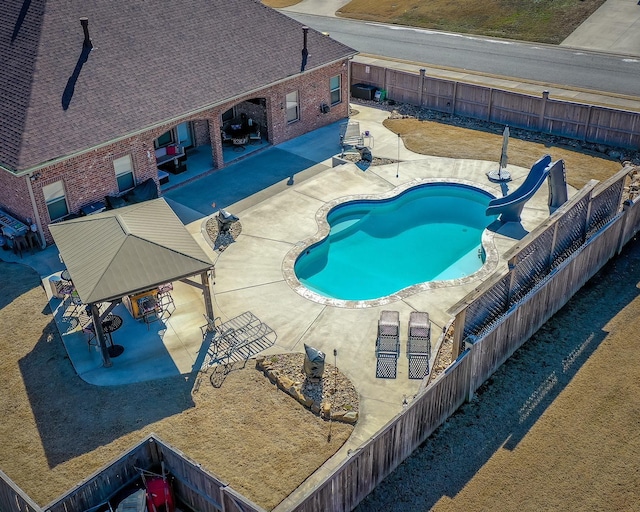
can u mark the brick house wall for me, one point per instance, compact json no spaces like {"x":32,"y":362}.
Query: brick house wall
{"x":15,"y":196}
{"x":90,"y":177}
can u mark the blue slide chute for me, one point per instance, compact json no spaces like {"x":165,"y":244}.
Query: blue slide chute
{"x":510,"y":206}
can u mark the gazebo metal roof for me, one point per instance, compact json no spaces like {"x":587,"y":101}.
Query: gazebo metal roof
{"x":127,"y":250}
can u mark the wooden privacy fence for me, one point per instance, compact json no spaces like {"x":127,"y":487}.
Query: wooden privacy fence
{"x":545,"y":270}
{"x":584,"y":122}
{"x":376,"y":458}
{"x":538,"y":256}
{"x":13,"y":499}
{"x":192,"y":485}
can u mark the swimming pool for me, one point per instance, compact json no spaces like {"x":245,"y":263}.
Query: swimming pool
{"x":377,"y":247}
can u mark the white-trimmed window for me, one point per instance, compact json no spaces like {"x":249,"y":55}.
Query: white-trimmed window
{"x":293,"y":109}
{"x":124,"y":173}
{"x":55,"y":199}
{"x":336,"y":90}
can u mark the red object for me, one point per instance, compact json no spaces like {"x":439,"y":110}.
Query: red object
{"x":159,"y":495}
{"x":172,"y":150}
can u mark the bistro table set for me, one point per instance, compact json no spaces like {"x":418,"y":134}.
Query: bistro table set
{"x":149,"y":306}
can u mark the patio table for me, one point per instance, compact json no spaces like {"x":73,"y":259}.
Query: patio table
{"x":110,"y":324}
{"x":239,"y":142}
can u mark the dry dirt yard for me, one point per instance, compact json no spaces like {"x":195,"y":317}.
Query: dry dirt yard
{"x":56,"y":429}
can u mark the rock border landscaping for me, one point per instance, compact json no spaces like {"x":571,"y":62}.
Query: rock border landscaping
{"x":333,"y":397}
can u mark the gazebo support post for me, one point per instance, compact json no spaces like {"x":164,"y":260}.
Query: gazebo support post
{"x":206,"y":291}
{"x":102,"y":341}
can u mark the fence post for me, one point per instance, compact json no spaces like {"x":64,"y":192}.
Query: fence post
{"x":512,"y":264}
{"x":554,"y":240}
{"x":587,"y":220}
{"x":623,"y":225}
{"x":422,"y":71}
{"x":384,"y":81}
{"x":543,"y":107}
{"x":458,"y":333}
{"x":452,"y":109}
{"x":586,"y":125}
{"x":469,"y":375}
{"x":490,"y":104}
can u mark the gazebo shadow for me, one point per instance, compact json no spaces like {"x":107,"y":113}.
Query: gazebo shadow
{"x":74,"y":418}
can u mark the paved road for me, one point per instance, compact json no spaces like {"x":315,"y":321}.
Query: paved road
{"x":560,"y":65}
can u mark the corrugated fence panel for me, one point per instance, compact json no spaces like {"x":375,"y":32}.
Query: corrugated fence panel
{"x":531,"y":264}
{"x":485,"y":309}
{"x":515,"y":109}
{"x":571,"y":231}
{"x":472,"y":101}
{"x":12,"y":498}
{"x":525,"y":318}
{"x":566,"y":119}
{"x":606,"y":202}
{"x":403,"y":87}
{"x":614,"y":127}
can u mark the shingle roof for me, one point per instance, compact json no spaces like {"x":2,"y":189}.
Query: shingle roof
{"x":123,"y":251}
{"x":151,"y":61}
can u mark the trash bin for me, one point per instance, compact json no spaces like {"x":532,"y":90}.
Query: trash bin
{"x":363,"y":91}
{"x":380,"y":95}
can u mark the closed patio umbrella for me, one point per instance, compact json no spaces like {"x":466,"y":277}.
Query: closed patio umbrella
{"x":502,"y":174}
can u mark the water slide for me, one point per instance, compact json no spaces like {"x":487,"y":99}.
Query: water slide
{"x":510,"y":206}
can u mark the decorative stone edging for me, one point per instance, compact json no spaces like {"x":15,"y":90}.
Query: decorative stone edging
{"x":488,"y":244}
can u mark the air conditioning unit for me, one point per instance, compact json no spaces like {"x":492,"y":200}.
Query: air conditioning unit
{"x":324,"y":108}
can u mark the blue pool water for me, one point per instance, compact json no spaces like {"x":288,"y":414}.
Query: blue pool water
{"x":431,"y":232}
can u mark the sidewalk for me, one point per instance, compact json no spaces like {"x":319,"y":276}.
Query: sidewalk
{"x":613,"y":28}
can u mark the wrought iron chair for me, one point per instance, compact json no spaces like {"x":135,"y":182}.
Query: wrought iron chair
{"x":165,"y":298}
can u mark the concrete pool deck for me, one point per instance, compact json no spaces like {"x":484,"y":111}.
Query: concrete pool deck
{"x":249,"y":273}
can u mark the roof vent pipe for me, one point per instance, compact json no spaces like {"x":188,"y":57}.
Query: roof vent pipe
{"x":85,"y":28}
{"x":305,"y":52}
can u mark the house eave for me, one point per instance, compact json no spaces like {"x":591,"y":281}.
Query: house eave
{"x":173,"y":120}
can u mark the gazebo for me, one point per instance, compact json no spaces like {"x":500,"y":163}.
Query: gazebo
{"x":128,"y":250}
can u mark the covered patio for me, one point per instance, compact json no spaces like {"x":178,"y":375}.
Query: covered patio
{"x":118,"y":263}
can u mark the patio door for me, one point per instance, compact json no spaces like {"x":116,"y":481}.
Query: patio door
{"x":183,"y":134}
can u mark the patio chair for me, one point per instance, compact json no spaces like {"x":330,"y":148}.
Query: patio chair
{"x":419,"y":344}
{"x":90,"y":332}
{"x":388,"y":344}
{"x":150,"y":310}
{"x":76,"y":302}
{"x":254,"y":134}
{"x":226,"y":138}
{"x":165,"y":298}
